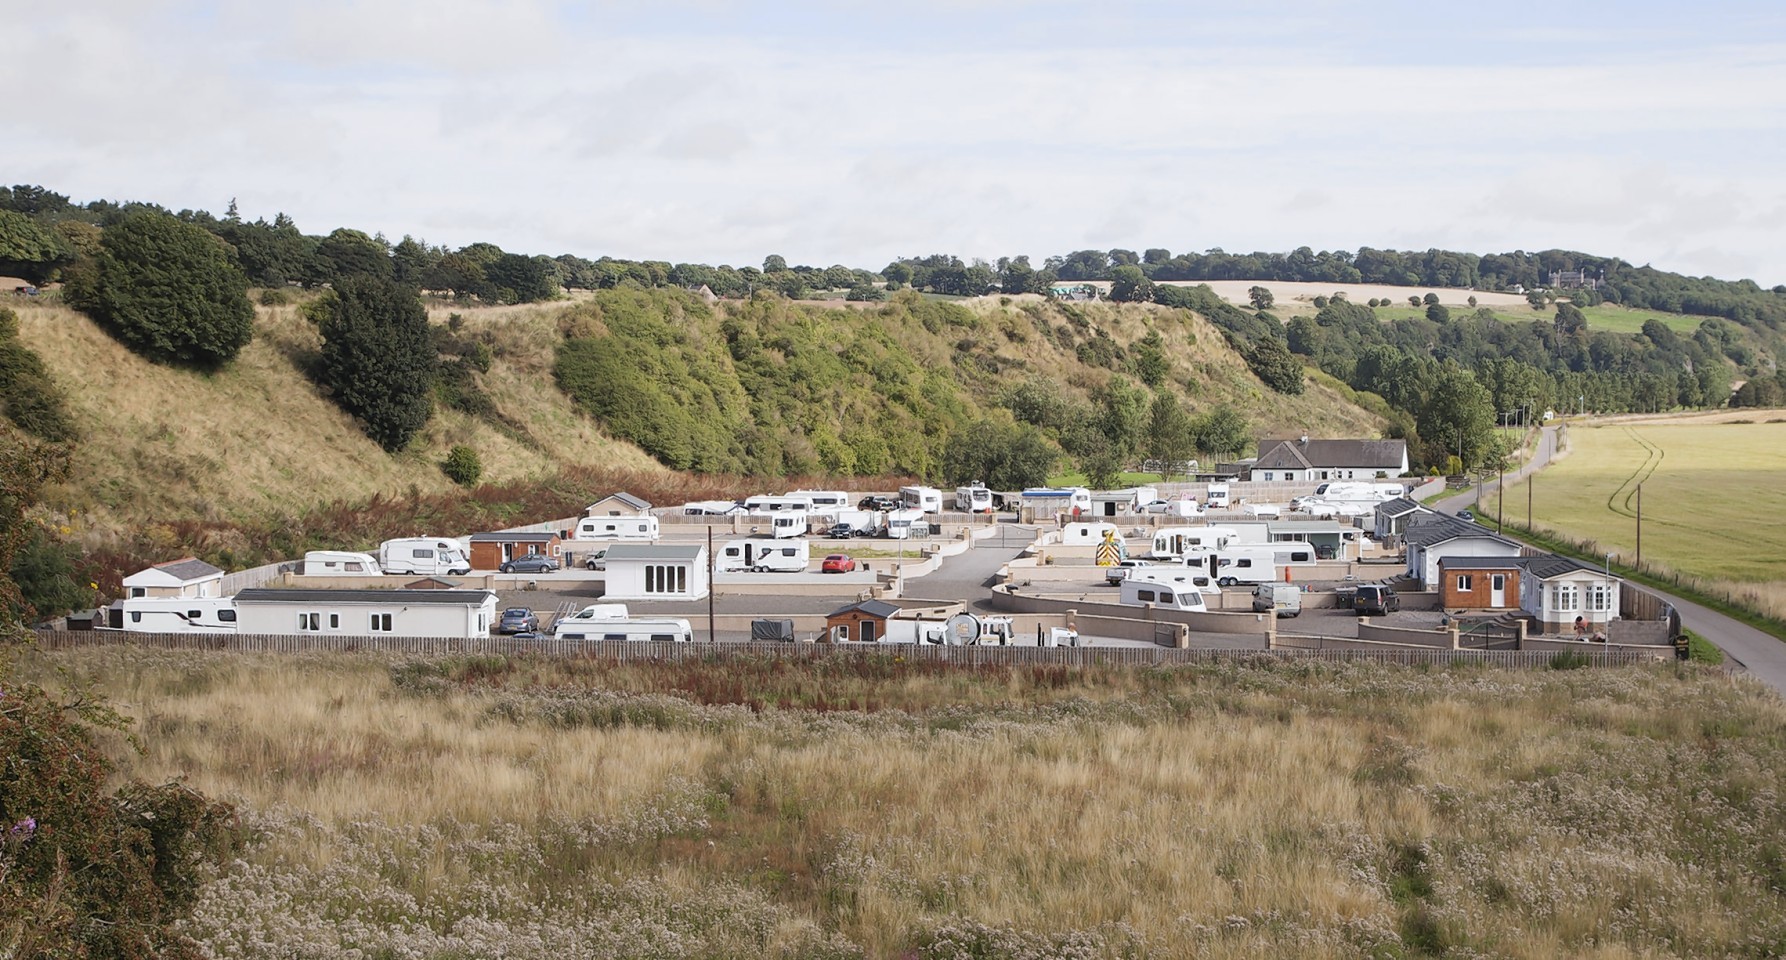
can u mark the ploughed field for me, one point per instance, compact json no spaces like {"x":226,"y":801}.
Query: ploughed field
{"x":1714,"y":501}
{"x":874,"y":806}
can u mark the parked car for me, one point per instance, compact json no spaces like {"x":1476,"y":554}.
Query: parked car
{"x":531,"y":563}
{"x":597,"y":560}
{"x":1117,"y":574}
{"x":877,"y":503}
{"x":838,"y":563}
{"x":518,"y":620}
{"x":1467,"y":516}
{"x":1373,"y":599}
{"x":1282,"y":598}
{"x":840,"y":531}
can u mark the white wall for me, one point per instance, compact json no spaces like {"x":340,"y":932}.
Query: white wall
{"x":1426,"y":568}
{"x":355,"y":619}
{"x":626,"y":580}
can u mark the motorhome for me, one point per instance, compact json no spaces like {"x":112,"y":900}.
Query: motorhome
{"x":1070,"y":500}
{"x":424,"y":557}
{"x":822,"y":503}
{"x":789,"y":523}
{"x":1168,"y":596}
{"x":622,"y":529}
{"x":1173,"y":543}
{"x":634,"y":629}
{"x":1218,"y":498}
{"x":340,"y":563}
{"x":923,"y":499}
{"x":764,"y":555}
{"x":904,"y":524}
{"x":179,"y":614}
{"x":973,"y":498}
{"x":768,"y":506}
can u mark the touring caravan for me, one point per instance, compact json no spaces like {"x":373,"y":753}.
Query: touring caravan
{"x":1172,"y":543}
{"x":922,"y":499}
{"x":423,"y":557}
{"x":712,"y":508}
{"x":1254,"y":563}
{"x":764,"y":555}
{"x":623,"y":529}
{"x":636,"y":629}
{"x":179,"y":614}
{"x":1195,"y":579}
{"x":903,"y":524}
{"x":768,"y":505}
{"x":823,"y":503}
{"x":973,"y":498}
{"x":1168,"y":596}
{"x":789,"y":523}
{"x":1089,"y":534}
{"x":1218,"y":498}
{"x":340,"y":563}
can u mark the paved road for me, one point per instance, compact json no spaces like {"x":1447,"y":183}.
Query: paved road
{"x":1761,"y":654}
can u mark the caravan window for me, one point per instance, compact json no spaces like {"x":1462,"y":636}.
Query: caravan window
{"x":334,"y":620}
{"x":355,"y":566}
{"x":381,"y":623}
{"x":614,"y":636}
{"x":1299,"y":556}
{"x":1145,"y":596}
{"x":663,"y":636}
{"x":1165,"y":596}
{"x":309,"y":621}
{"x":227,"y":616}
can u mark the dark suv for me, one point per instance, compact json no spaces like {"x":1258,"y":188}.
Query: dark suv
{"x":1374,"y":600}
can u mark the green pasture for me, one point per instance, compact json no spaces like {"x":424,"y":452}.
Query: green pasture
{"x":1605,"y":316}
{"x":1714,"y":496}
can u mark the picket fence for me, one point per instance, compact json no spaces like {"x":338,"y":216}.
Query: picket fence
{"x":702,"y":651}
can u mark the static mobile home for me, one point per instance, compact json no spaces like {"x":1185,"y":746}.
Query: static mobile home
{"x":176,"y":578}
{"x":358,"y":613}
{"x":641,"y":571}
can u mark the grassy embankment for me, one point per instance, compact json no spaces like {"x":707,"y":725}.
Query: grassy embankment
{"x":1604,"y":316}
{"x":878,"y":807}
{"x":1714,"y":505}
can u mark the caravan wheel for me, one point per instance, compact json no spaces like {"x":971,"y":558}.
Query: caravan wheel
{"x":1225,"y":582}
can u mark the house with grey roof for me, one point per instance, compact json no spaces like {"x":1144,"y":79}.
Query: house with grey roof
{"x":1393,"y":516}
{"x":864,"y":622}
{"x":620,"y":504}
{"x":186,"y":577}
{"x":1431,"y":537}
{"x":366,"y":613}
{"x":1556,"y":590}
{"x":1305,"y":460}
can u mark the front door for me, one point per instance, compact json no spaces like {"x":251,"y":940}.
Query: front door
{"x":866,"y":631}
{"x":1497,"y":590}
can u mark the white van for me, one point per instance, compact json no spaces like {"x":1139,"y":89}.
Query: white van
{"x":764,"y":555}
{"x":180,"y":614}
{"x":624,"y":529}
{"x":582,"y":618}
{"x":340,"y":563}
{"x":636,"y":629}
{"x":1284,"y":598}
{"x":1167,"y":596}
{"x":423,"y":557}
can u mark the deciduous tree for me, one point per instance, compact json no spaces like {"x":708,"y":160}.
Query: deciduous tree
{"x":169,"y":290}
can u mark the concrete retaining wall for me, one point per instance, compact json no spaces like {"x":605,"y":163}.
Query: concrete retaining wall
{"x":1406,"y":635}
{"x":1543,"y":644}
{"x":1252,"y":624}
{"x":1639,"y":632}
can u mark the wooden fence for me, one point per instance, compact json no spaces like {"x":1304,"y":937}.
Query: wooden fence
{"x":665,"y":651}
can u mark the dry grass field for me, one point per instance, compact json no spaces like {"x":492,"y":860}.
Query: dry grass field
{"x":885,"y":808}
{"x":259,"y":438}
{"x":1714,"y":498}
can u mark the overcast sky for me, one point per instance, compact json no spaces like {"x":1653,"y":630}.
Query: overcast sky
{"x":855,"y":132}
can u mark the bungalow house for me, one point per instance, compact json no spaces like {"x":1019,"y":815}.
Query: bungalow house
{"x":491,"y":550}
{"x":864,"y":622}
{"x":1480,"y":583}
{"x":618,"y":505}
{"x":1556,"y":590}
{"x":650,"y":571}
{"x":1437,"y":536}
{"x":186,"y":578}
{"x":1393,"y":516}
{"x":366,"y":613}
{"x":1305,"y":460}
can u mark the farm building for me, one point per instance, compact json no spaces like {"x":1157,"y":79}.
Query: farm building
{"x":492,"y":550}
{"x":1315,"y":460}
{"x":187,"y":577}
{"x":650,"y":571}
{"x":1436,"y":536}
{"x":1479,"y":583}
{"x":360,"y":613}
{"x":865,"y":622}
{"x":1556,"y":590}
{"x":618,"y":505}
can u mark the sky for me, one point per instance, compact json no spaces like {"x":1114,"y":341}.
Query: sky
{"x":855,"y":133}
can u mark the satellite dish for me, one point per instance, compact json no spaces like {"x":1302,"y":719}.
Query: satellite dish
{"x":961,"y":630}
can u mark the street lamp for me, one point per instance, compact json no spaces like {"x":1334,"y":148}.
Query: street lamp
{"x":1606,"y":588}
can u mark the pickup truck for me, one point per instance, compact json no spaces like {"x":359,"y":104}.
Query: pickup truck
{"x":1117,"y":574}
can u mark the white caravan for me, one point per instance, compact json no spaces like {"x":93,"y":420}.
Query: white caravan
{"x":1218,"y":498}
{"x":1167,"y":596}
{"x":340,"y":563}
{"x":423,"y":557}
{"x":822,"y":503}
{"x":764,"y":555}
{"x":1172,"y":543}
{"x":636,"y":629}
{"x":768,"y":506}
{"x":1058,"y":499}
{"x":1183,"y":578}
{"x":973,"y":498}
{"x":1362,"y":491}
{"x":621,"y":529}
{"x":959,"y":630}
{"x":902,"y":523}
{"x":1253,"y":563}
{"x":789,"y":524}
{"x":180,"y":614}
{"x":712,"y":508}
{"x":922,"y":499}
{"x":1088,"y":534}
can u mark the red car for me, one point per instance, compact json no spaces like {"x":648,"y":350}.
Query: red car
{"x":838,"y":563}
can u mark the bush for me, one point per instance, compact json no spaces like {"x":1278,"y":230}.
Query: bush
{"x":49,"y":586}
{"x":169,"y":290}
{"x":28,"y":397}
{"x":462,"y":466}
{"x":273,"y":298}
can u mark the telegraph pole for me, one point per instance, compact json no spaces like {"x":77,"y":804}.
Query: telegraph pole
{"x":712,"y":637}
{"x":1640,"y":526}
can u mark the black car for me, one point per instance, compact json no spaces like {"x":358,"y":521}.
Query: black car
{"x":840,"y":531}
{"x":1466,"y":516}
{"x":518,"y":620}
{"x":532,"y":563}
{"x":1374,"y":600}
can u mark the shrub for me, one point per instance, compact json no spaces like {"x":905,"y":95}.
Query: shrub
{"x":462,"y":466}
{"x":273,"y":298}
{"x":28,"y":397}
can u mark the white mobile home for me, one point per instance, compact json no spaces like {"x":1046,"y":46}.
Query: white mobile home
{"x":641,"y":571}
{"x":618,"y":505}
{"x":359,"y":613}
{"x":1088,"y":534}
{"x":1556,"y":590}
{"x":179,"y":614}
{"x":764,"y":555}
{"x":423,"y":556}
{"x":1057,"y":500}
{"x":922,"y":499}
{"x":340,"y":563}
{"x":1113,"y":503}
{"x":188,"y":577}
{"x":617,"y":529}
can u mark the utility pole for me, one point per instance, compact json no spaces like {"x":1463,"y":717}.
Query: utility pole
{"x":1501,"y":499}
{"x":1531,"y":479}
{"x":712,"y":637}
{"x":1640,"y":526}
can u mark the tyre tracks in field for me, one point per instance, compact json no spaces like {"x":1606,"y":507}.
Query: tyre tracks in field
{"x":1620,"y":501}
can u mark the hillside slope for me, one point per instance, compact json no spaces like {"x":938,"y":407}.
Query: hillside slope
{"x":258,"y":438}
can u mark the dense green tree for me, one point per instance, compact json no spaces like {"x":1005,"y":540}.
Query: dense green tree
{"x":1430,"y":299}
{"x":774,"y":263}
{"x":28,"y":396}
{"x":1457,"y":416}
{"x":415,"y":264}
{"x":347,"y":253}
{"x":1223,"y":431}
{"x":513,"y":278}
{"x":1003,"y":454}
{"x":1272,"y":363}
{"x":1149,"y":359}
{"x":462,"y":465}
{"x":1100,"y":464}
{"x":377,"y":357}
{"x":49,"y":585}
{"x":169,"y":290}
{"x":1129,"y":285}
{"x":1169,"y":439}
{"x":1303,"y":336}
{"x":1260,"y":298}
{"x":1438,"y":313}
{"x":1122,"y":414}
{"x":29,"y":251}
